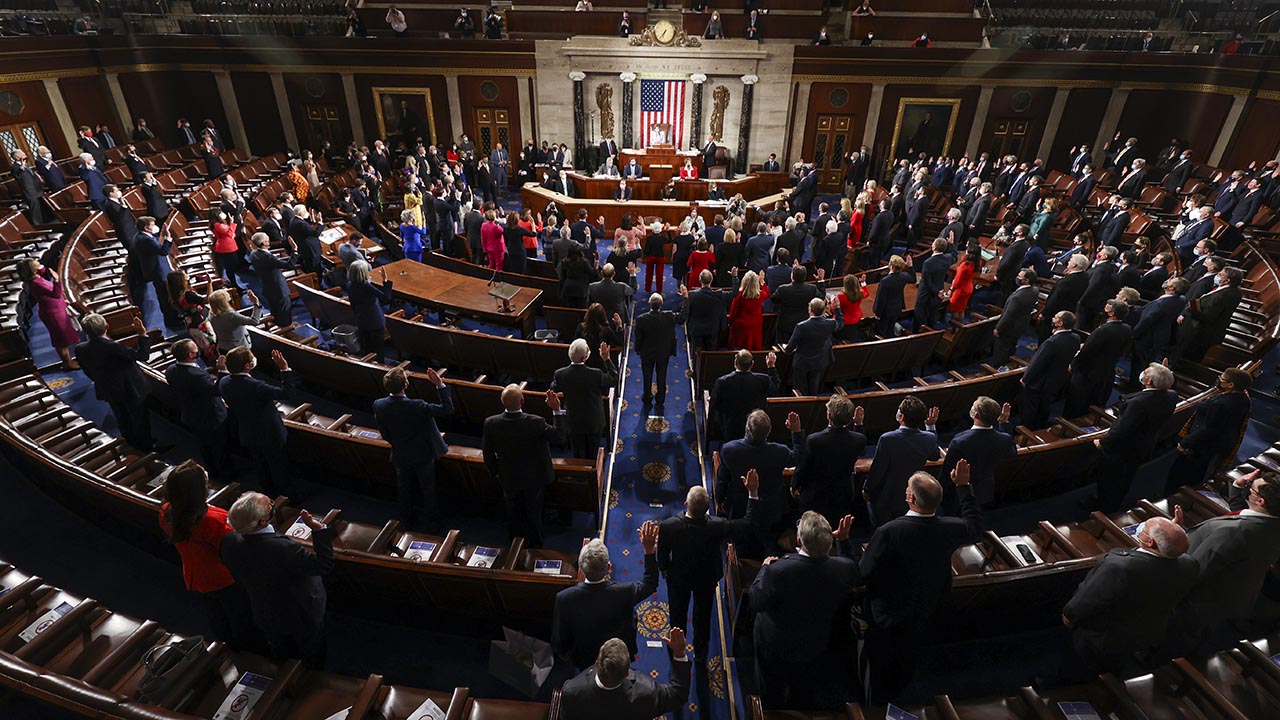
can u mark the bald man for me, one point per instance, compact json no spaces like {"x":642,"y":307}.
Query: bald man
{"x":517,"y":453}
{"x":1122,"y":610}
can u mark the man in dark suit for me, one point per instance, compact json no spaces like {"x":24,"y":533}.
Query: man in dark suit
{"x":1132,"y":438}
{"x":622,"y":193}
{"x":155,"y":203}
{"x":656,"y":345}
{"x":1111,"y":226}
{"x":796,"y":599}
{"x":899,"y":453}
{"x":600,"y":608}
{"x":1242,"y":215}
{"x":1128,"y":274}
{"x":791,"y":240}
{"x":611,"y":689}
{"x":117,"y":380}
{"x":1154,"y":334}
{"x":1205,"y":320}
{"x":283,"y":578}
{"x":54,"y":179}
{"x":1066,"y":292}
{"x":306,"y":237}
{"x":805,"y":192}
{"x":855,"y":174}
{"x":251,"y":404}
{"x":608,"y":148}
{"x":708,"y":158}
{"x":879,"y":239}
{"x":906,"y":569}
{"x":135,"y":164}
{"x":583,"y":387}
{"x":90,"y":145}
{"x":1093,"y":371}
{"x":1047,"y":373}
{"x":270,"y":271}
{"x":976,"y":218}
{"x":707,"y":308}
{"x":1208,"y":280}
{"x":1030,"y":199}
{"x":1080,"y":159}
{"x":1214,"y":430}
{"x":1015,"y":318}
{"x":29,"y":185}
{"x":1203,"y":251}
{"x":1103,"y":285}
{"x":753,"y":452}
{"x":152,"y":255}
{"x":1178,"y":174}
{"x":759,"y":249}
{"x":984,"y":445}
{"x":517,"y":453}
{"x":613,"y":295}
{"x":1083,"y":189}
{"x":792,"y":303}
{"x":810,"y":348}
{"x":632,"y":170}
{"x":409,"y":425}
{"x":1151,"y":284}
{"x":933,"y":278}
{"x":1114,"y":616}
{"x":200,"y":407}
{"x":824,"y":479}
{"x":736,"y":394}
{"x":1194,"y":234}
{"x":1135,"y":181}
{"x":917,"y":206}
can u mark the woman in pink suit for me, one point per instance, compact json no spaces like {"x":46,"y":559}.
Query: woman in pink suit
{"x":492,"y":241}
{"x":43,"y":285}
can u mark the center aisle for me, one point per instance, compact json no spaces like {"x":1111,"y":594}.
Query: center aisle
{"x":655,"y":462}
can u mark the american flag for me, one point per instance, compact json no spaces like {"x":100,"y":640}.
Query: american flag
{"x":662,"y":101}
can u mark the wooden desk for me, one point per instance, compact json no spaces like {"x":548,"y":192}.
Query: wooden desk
{"x":469,"y":296}
{"x":329,"y":248}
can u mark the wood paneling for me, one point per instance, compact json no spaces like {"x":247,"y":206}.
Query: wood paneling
{"x":37,"y":109}
{"x":893,"y":94}
{"x":1155,"y":116}
{"x":1016,"y":104}
{"x":259,"y":111}
{"x":89,"y":103}
{"x":317,"y":89}
{"x":1257,"y":139}
{"x":434,"y":83}
{"x":164,"y":96}
{"x":1081,"y":118}
{"x":471,"y":95}
{"x":825,"y":99}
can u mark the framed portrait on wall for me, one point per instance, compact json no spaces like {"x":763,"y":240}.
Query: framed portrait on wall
{"x":924,"y":125}
{"x":404,"y":114}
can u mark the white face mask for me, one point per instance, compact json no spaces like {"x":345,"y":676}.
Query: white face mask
{"x":1217,"y":279}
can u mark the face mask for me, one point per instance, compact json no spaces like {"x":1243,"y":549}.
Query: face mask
{"x":1217,"y":280}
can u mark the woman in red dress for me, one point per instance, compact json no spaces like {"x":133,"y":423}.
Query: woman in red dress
{"x":746,"y":315}
{"x":962,"y":283}
{"x":855,"y":223}
{"x":850,"y":299}
{"x":699,"y":260}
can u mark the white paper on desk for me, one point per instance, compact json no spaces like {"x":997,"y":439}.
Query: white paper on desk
{"x":428,"y":710}
{"x":239,"y":702}
{"x":299,"y":530}
{"x":483,"y":557}
{"x":340,"y":715}
{"x":420,"y":551}
{"x":549,"y":567}
{"x":1078,"y":711}
{"x":43,"y":622}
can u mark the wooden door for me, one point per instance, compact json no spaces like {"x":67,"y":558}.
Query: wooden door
{"x":23,"y":136}
{"x":493,"y":126}
{"x":322,"y":122}
{"x":831,"y":142}
{"x":1010,"y":137}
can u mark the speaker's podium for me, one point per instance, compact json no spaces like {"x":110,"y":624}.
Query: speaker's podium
{"x":660,"y":159}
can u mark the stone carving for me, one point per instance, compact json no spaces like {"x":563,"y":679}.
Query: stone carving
{"x":719,"y":102}
{"x":604,"y":101}
{"x":648,"y":37}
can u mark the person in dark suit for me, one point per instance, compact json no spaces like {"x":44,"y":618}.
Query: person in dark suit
{"x":632,"y":170}
{"x":200,"y":406}
{"x":1047,"y":373}
{"x":89,"y":145}
{"x":976,"y":218}
{"x":608,"y":148}
{"x":1135,"y":181}
{"x":1093,"y":371}
{"x":600,"y":608}
{"x":1111,"y":226}
{"x":656,"y":345}
{"x":890,"y":300}
{"x":879,"y":239}
{"x":283,"y":578}
{"x":610,"y":688}
{"x":409,"y":425}
{"x":824,"y":478}
{"x":1203,"y":251}
{"x":1179,"y":174}
{"x":1065,"y":294}
{"x":517,"y":453}
{"x":306,"y":238}
{"x":137,"y":167}
{"x":1132,"y":438}
{"x":708,"y":157}
{"x":270,"y":271}
{"x":1213,"y":432}
{"x":613,"y":295}
{"x":1205,"y":320}
{"x":1114,"y":616}
{"x":1154,"y":334}
{"x":707,"y":308}
{"x":157,"y":205}
{"x":810,"y":348}
{"x":906,"y":569}
{"x":1128,"y":274}
{"x":1235,"y":552}
{"x":1208,"y":280}
{"x":829,"y":251}
{"x":251,"y":404}
{"x":917,"y":206}
{"x":933,"y":278}
{"x":1015,"y":318}
{"x":583,"y":386}
{"x":1103,"y":284}
{"x":736,"y":394}
{"x":1080,"y":158}
{"x":117,"y":210}
{"x":1242,"y":215}
{"x":1151,"y":285}
{"x":29,"y":185}
{"x":805,"y":192}
{"x":899,"y":453}
{"x":753,"y":451}
{"x":796,"y":598}
{"x":1083,"y":189}
{"x":622,"y":193}
{"x":985,"y":445}
{"x":54,"y":179}
{"x":1191,"y":237}
{"x":791,"y":301}
{"x":1011,"y":260}
{"x":117,"y":379}
{"x":152,"y":253}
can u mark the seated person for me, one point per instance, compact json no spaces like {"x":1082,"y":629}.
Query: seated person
{"x":669,"y":191}
{"x":632,"y":170}
{"x":609,"y":168}
{"x":688,"y":171}
{"x":623,"y":193}
{"x":714,"y":192}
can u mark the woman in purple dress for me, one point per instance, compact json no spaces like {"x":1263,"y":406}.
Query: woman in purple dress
{"x":44,"y":285}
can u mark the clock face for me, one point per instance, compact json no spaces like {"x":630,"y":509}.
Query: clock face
{"x":664,"y":31}
{"x":10,"y":103}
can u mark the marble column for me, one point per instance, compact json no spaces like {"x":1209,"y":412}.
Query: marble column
{"x":744,"y":125}
{"x":873,"y":119}
{"x":579,"y":119}
{"x":695,"y":112}
{"x":353,"y":109}
{"x":286,"y":111}
{"x":60,"y":111}
{"x":235,"y":121}
{"x":1054,"y":122}
{"x":1230,"y":127}
{"x":455,"y":110}
{"x":798,"y":117}
{"x":979,"y":121}
{"x":122,"y":107}
{"x":628,"y":109}
{"x":1110,"y":121}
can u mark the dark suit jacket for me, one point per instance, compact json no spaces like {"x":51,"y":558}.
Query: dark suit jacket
{"x":810,"y":343}
{"x":976,"y":218}
{"x":1047,"y":371}
{"x":410,"y":426}
{"x":825,"y":476}
{"x":735,"y":395}
{"x":269,"y":269}
{"x":153,"y":256}
{"x":29,"y":185}
{"x":612,"y":295}
{"x":933,"y":277}
{"x":1215,"y":424}
{"x":113,"y":368}
{"x":656,"y":335}
{"x":1066,"y":293}
{"x":1015,"y":319}
{"x":1139,"y":420}
{"x":1247,"y":207}
{"x":1178,"y":176}
{"x":1083,"y":189}
{"x":1193,"y":272}
{"x":792,"y":304}
{"x":638,"y":698}
{"x":618,"y":194}
{"x":796,"y":598}
{"x":1102,"y":286}
{"x":1011,"y":261}
{"x":984,"y":448}
{"x":1104,"y":347}
{"x":1114,"y":610}
{"x":878,"y":234}
{"x":122,"y":220}
{"x":1133,"y":184}
{"x":583,"y":387}
{"x":899,"y":453}
{"x":200,"y":406}
{"x":304,"y":235}
{"x":707,"y":313}
{"x":1151,"y":282}
{"x":53,"y":178}
{"x":517,"y":449}
{"x":1156,"y":325}
{"x":587,"y":614}
{"x":157,"y":205}
{"x":1110,"y":229}
{"x":1206,"y":320}
{"x":769,"y":459}
{"x":907,"y":564}
{"x":1235,"y":553}
{"x":829,"y":253}
{"x":889,"y":301}
{"x":282,"y":578}
{"x":252,"y":403}
{"x":366,"y":301}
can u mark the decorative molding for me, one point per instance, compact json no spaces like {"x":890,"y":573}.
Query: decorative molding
{"x":697,"y":78}
{"x":1021,"y":82}
{"x":750,"y":79}
{"x":627,"y":77}
{"x":577,"y":76}
{"x":299,"y":69}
